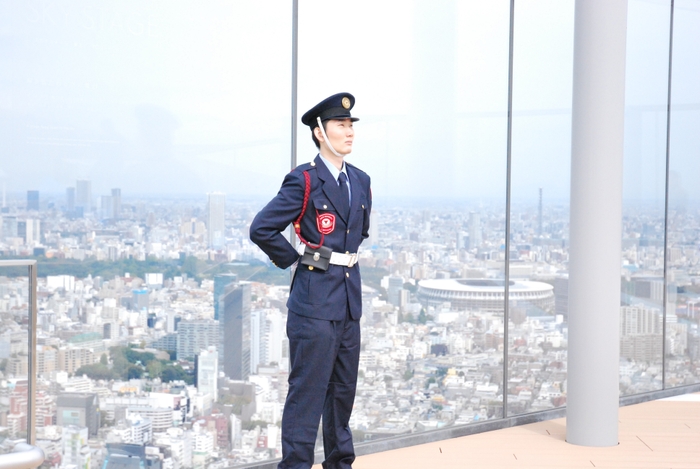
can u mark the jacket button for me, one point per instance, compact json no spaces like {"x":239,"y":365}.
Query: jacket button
{"x":348,"y":232}
{"x":347,"y":274}
{"x":325,"y":207}
{"x":311,"y":267}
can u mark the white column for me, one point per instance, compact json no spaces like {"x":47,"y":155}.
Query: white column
{"x":596,"y":222}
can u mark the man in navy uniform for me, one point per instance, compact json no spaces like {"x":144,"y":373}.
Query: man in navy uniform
{"x":325,"y":304}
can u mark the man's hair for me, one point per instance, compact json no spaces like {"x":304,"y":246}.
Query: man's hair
{"x":313,"y":135}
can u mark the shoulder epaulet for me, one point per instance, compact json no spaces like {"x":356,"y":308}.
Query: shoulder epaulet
{"x":305,"y":166}
{"x":355,"y":167}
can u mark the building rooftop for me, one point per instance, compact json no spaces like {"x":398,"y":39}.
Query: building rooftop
{"x":656,"y":434}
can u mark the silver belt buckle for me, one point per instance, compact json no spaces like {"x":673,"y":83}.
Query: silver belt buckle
{"x":353,"y":260}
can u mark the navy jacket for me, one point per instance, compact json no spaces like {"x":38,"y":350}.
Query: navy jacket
{"x":317,"y":294}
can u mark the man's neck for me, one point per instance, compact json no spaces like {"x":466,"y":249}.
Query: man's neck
{"x":337,"y":161}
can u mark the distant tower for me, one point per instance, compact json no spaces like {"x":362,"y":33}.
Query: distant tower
{"x":258,"y":352}
{"x":29,"y":230}
{"x":32,"y":200}
{"x":394,"y":290}
{"x":116,"y":203}
{"x":194,"y":336}
{"x":275,"y":336}
{"x":216,"y":208}
{"x":106,"y":207}
{"x":475,"y":238}
{"x":461,"y":240}
{"x":83,"y":195}
{"x":10,"y":227}
{"x":539,"y":216}
{"x":221,"y":281}
{"x":235,"y":328}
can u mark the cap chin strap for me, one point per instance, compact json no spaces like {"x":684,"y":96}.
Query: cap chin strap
{"x":325,"y":138}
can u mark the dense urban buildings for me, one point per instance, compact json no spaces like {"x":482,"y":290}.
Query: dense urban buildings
{"x":194,"y":363}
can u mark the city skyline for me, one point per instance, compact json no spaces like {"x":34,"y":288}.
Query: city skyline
{"x":425,"y":363}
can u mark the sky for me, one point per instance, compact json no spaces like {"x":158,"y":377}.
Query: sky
{"x":186,"y":98}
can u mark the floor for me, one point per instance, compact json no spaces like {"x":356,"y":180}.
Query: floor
{"x":657,"y":434}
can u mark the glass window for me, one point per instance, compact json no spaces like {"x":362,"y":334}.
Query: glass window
{"x":431,"y":87}
{"x":642,"y":309}
{"x":137,"y":140}
{"x":683,"y":293}
{"x":539,"y":217}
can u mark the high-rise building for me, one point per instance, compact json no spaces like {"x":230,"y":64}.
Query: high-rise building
{"x":192,"y":227}
{"x":79,"y":409}
{"x":106,"y":207}
{"x":221,"y":281}
{"x":207,"y":371}
{"x":462,"y":240}
{"x":561,"y":296}
{"x":29,"y":230}
{"x":236,"y":432}
{"x":168,"y":342}
{"x":539,"y":215}
{"x":639,"y":319}
{"x":394,"y":290}
{"x":193,"y":336}
{"x":235,"y":331}
{"x":9,"y":227}
{"x":170,"y":323}
{"x":116,"y":203}
{"x":83,"y":195}
{"x":258,"y":352}
{"x":475,"y":237}
{"x":32,"y":200}
{"x":76,"y":452}
{"x":276,"y":347}
{"x":216,"y":210}
{"x":139,"y":299}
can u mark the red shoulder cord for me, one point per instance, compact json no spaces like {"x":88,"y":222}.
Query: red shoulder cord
{"x":297,"y":222}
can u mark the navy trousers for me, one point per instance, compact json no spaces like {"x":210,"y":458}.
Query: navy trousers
{"x":324,"y":361}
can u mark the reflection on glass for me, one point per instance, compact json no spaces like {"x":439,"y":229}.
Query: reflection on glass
{"x":641,"y":310}
{"x":539,"y":218}
{"x":683,"y":293}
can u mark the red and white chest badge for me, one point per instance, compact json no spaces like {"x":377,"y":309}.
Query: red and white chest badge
{"x":325,"y":222}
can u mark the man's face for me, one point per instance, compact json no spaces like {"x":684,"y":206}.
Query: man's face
{"x":341,"y":134}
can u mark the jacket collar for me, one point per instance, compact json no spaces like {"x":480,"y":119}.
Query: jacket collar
{"x":331,"y":187}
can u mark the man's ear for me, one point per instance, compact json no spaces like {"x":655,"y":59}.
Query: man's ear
{"x":318,"y":134}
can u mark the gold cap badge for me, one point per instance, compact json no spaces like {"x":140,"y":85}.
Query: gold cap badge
{"x":346,"y":102}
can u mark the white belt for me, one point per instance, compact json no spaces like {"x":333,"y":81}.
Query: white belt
{"x":347,"y":260}
{"x":337,"y":258}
